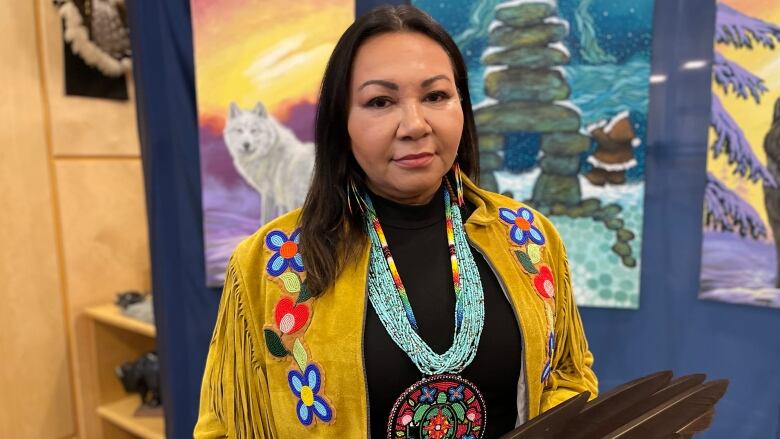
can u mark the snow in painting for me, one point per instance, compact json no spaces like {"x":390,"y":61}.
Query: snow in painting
{"x":587,"y":64}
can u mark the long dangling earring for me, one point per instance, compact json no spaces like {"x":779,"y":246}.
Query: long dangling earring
{"x":349,"y":196}
{"x":458,"y":183}
{"x":352,"y":191}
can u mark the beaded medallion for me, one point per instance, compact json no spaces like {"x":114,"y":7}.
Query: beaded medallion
{"x":438,"y":407}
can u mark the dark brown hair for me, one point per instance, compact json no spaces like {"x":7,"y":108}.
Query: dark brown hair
{"x":331,"y":234}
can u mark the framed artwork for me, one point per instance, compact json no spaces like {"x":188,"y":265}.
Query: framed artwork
{"x":258,"y":67}
{"x":742,"y":198}
{"x":560,"y":93}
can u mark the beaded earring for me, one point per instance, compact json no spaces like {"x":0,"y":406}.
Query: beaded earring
{"x":352,"y":192}
{"x":458,"y":183}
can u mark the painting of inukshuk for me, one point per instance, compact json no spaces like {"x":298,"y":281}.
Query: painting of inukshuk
{"x":559,"y":90}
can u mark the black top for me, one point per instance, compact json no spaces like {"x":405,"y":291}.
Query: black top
{"x":417,"y":239}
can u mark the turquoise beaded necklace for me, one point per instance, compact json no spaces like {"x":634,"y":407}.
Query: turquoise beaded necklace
{"x":388,"y":297}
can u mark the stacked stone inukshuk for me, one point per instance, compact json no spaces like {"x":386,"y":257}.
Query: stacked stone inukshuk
{"x":524,"y":78}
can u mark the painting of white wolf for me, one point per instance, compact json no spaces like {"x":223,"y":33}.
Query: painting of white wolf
{"x":258,"y":68}
{"x":266,"y":154}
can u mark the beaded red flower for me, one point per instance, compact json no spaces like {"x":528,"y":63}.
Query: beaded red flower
{"x":473,"y":415}
{"x":438,"y":426}
{"x":544,"y":283}
{"x":289,"y":316}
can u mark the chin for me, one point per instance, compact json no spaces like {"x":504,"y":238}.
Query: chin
{"x":420,"y":184}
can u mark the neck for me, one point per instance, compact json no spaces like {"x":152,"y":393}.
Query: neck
{"x":408,"y":199}
{"x":408,"y":216}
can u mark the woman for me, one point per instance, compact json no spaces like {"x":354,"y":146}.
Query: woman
{"x":402,"y":300}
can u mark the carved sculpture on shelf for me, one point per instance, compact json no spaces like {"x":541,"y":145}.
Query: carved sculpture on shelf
{"x":142,"y":376}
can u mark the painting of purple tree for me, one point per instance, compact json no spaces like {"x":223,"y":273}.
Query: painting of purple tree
{"x":741,"y":228}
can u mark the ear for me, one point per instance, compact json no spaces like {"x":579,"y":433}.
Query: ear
{"x":234,"y":110}
{"x":260,"y":109}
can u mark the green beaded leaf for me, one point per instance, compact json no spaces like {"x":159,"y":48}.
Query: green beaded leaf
{"x":400,"y":433}
{"x":274,"y":343}
{"x":442,"y":398}
{"x":411,"y":402}
{"x":419,"y":412}
{"x":305,"y":293}
{"x":291,"y":282}
{"x":475,"y":427}
{"x":471,"y":399}
{"x":525,"y":261}
{"x":460,"y":410}
{"x":299,"y":353}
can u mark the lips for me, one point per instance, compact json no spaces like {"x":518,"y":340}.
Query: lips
{"x":414,"y":160}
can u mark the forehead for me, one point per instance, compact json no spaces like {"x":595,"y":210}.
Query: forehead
{"x":400,"y":56}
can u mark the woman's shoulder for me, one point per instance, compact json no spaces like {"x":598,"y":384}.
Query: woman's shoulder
{"x":269,"y":239}
{"x":508,"y":210}
{"x":260,"y":262}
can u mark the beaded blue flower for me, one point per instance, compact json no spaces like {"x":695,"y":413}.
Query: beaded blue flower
{"x":285,"y":250}
{"x":522,"y":225}
{"x":547,"y":365}
{"x":305,"y":386}
{"x":428,"y":394}
{"x":455,"y":393}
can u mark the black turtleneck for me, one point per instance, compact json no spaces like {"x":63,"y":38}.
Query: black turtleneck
{"x":417,"y":239}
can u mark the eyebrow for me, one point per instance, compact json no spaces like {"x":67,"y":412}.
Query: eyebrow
{"x":394,"y":86}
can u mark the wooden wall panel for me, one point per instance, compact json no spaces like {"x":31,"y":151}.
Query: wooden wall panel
{"x":104,"y":228}
{"x":74,"y":231}
{"x":82,"y":126}
{"x":105,"y":249}
{"x":35,"y":388}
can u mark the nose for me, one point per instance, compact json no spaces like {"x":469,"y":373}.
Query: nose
{"x":246,"y":146}
{"x":413,"y":124}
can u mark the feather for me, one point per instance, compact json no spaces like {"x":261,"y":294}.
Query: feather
{"x":608,"y":411}
{"x":697,"y":425}
{"x":650,"y":407}
{"x":549,"y":424}
{"x":678,"y":413}
{"x":630,"y":406}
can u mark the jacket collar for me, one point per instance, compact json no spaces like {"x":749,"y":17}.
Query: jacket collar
{"x":486,"y":211}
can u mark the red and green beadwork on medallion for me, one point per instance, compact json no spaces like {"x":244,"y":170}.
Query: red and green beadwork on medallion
{"x":438,"y":407}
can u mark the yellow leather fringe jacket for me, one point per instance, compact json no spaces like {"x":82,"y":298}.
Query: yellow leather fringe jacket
{"x":285,"y":365}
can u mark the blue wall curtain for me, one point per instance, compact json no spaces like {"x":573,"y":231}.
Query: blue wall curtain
{"x":671,"y":330}
{"x":185,"y":310}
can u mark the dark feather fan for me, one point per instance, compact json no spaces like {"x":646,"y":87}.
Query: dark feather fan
{"x":650,"y":407}
{"x":673,"y":418}
{"x":542,"y":428}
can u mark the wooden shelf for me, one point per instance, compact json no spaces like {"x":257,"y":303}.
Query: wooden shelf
{"x":120,"y":413}
{"x":110,"y":315}
{"x":115,"y":339}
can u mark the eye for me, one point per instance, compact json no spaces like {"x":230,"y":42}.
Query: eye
{"x":254,"y":131}
{"x":379,"y":102}
{"x":240,"y":130}
{"x":437,"y":96}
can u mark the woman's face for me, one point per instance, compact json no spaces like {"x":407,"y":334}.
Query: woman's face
{"x":405,"y":119}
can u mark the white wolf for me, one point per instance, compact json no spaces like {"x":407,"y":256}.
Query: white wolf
{"x":270,"y":158}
